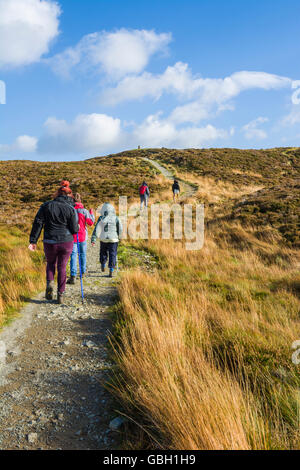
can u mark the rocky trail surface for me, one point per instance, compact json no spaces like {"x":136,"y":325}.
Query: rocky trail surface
{"x":53,"y":369}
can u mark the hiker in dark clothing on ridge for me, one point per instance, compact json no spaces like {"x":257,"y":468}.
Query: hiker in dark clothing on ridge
{"x":176,"y":190}
{"x":144,"y":194}
{"x":60,"y":222}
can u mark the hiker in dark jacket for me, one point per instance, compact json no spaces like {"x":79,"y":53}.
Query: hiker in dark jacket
{"x":176,"y":190}
{"x":60,"y":222}
{"x":144,"y":194}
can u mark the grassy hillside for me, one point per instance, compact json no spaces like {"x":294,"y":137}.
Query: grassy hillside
{"x":240,"y":167}
{"x":259,"y":187}
{"x":278,"y":206}
{"x":25,"y":185}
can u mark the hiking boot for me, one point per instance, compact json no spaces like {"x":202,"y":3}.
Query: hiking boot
{"x":103,"y":268}
{"x":60,"y":298}
{"x":49,"y":290}
{"x":71,"y":280}
{"x":111,"y":271}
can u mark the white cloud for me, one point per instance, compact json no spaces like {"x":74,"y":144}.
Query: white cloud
{"x":252,"y":132}
{"x":87,"y":133}
{"x":292,"y":118}
{"x":211,"y":96}
{"x":215,"y":95}
{"x":156,"y":132}
{"x":26,"y":29}
{"x":176,"y":79}
{"x":207,"y":96}
{"x":198,"y":136}
{"x":23,"y":144}
{"x":115,"y":53}
{"x":26,"y":143}
{"x":194,"y":111}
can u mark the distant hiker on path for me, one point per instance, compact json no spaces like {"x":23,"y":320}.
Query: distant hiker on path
{"x":109,"y":230}
{"x":60,"y":222}
{"x":144,"y":194}
{"x":85,"y":218}
{"x":176,"y":190}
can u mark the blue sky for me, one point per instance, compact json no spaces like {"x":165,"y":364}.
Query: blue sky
{"x":90,"y":77}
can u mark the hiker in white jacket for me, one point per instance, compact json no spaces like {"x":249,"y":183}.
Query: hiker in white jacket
{"x":109,"y":230}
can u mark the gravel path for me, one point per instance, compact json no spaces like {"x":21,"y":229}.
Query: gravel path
{"x":53,"y":369}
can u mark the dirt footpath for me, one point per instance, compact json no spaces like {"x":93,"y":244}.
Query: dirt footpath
{"x":187,"y":190}
{"x":53,"y":368}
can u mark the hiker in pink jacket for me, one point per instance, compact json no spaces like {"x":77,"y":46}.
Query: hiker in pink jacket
{"x":144,"y":194}
{"x":85,"y":218}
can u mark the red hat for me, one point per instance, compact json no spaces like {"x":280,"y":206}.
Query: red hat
{"x":64,"y":189}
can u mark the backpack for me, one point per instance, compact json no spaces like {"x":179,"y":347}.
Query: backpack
{"x":143,"y":190}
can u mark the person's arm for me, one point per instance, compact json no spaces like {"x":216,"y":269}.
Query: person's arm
{"x":147,"y":191}
{"x":96,"y":232}
{"x":37,"y":226}
{"x":89,"y":217}
{"x":119,"y":227}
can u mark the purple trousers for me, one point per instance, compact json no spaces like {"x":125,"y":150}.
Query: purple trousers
{"x":58,"y":254}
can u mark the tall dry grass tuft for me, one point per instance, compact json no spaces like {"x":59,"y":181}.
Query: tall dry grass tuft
{"x":176,"y":386}
{"x":204,"y":345}
{"x":20,"y":272}
{"x":216,"y":190}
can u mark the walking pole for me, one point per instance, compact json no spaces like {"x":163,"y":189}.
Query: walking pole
{"x":79,"y":260}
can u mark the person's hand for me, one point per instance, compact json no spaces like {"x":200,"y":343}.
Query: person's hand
{"x":32,"y":247}
{"x":93,"y":244}
{"x":91,"y":211}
